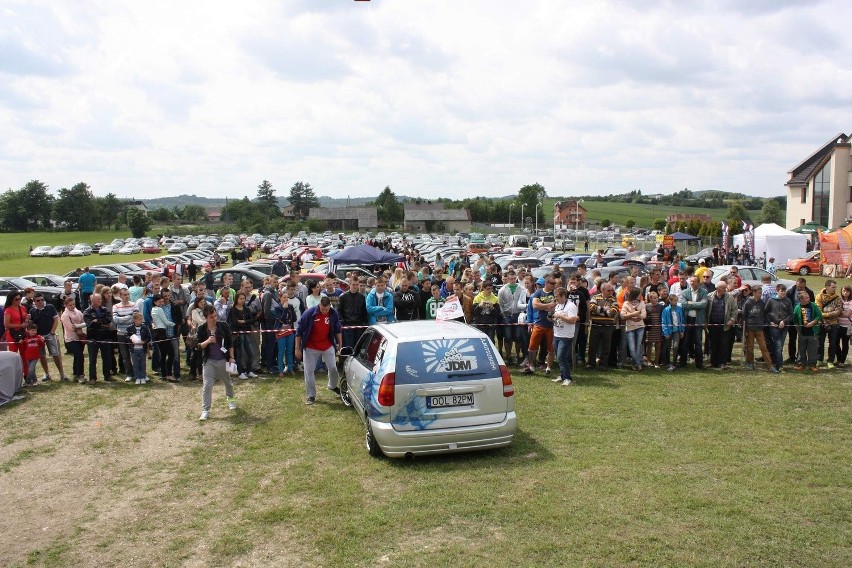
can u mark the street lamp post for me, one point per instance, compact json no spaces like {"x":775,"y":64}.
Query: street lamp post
{"x":510,"y":213}
{"x":536,"y":217}
{"x":577,"y":217}
{"x":522,"y":216}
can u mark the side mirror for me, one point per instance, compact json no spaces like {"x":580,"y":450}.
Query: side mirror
{"x":347,"y":352}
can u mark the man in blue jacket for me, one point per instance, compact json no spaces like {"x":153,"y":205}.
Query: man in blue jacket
{"x":319,"y":335}
{"x":380,"y":303}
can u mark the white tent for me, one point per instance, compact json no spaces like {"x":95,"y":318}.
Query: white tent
{"x":777,"y":242}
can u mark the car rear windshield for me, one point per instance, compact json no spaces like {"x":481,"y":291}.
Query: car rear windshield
{"x":445,"y":360}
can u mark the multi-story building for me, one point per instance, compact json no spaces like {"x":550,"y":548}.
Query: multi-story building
{"x":819,"y":189}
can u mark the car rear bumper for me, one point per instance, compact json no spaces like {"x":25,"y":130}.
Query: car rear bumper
{"x":397,"y":444}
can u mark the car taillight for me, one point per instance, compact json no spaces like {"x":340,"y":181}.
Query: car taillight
{"x":387,"y":389}
{"x":508,"y":388}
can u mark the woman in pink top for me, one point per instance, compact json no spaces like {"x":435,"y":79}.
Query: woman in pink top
{"x":73,"y":328}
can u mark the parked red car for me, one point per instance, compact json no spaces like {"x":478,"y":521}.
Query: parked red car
{"x":805,"y":265}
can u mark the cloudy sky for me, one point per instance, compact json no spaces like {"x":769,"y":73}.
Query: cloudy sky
{"x":434,"y":98}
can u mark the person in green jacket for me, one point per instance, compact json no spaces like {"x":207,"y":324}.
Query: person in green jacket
{"x":806,"y":318}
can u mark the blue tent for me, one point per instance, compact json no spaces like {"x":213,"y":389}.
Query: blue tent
{"x":363,"y":254}
{"x":684,"y":237}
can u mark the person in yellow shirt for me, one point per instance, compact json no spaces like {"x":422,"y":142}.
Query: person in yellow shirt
{"x":702,"y":268}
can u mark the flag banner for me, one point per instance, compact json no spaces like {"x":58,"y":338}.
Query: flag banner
{"x":452,"y":309}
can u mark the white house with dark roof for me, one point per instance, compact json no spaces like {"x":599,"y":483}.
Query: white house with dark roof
{"x":820,"y":188}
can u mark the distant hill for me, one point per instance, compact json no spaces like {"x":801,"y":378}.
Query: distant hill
{"x":216,"y":202}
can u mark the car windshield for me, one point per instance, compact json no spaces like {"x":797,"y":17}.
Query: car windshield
{"x":21,"y":282}
{"x":445,"y":360}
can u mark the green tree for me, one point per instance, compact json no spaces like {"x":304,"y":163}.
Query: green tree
{"x":736,"y":214}
{"x":138,"y":222}
{"x":771,"y":213}
{"x":162,"y":215}
{"x":390,"y":210}
{"x":302,"y":198}
{"x":630,"y":224}
{"x":529,"y":195}
{"x":194,"y":214}
{"x":605,"y":223}
{"x":659,"y":225}
{"x":266,"y":197}
{"x":108,"y":208}
{"x":75,"y":208}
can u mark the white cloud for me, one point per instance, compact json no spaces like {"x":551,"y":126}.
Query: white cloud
{"x":432,"y":98}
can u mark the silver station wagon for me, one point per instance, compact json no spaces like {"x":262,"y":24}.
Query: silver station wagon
{"x":427,"y":387}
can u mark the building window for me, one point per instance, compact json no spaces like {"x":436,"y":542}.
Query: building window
{"x":801,"y":222}
{"x":822,"y":185}
{"x":804,"y":195}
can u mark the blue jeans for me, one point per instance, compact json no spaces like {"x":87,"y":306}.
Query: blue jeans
{"x":635,"y":346}
{"x":267,"y":348}
{"x":139,"y":360}
{"x":564,"y":348}
{"x":286,"y":347}
{"x":776,"y":339}
{"x":350,"y":338}
{"x":244,"y":352}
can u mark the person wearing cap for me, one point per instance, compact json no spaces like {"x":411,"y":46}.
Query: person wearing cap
{"x":702,"y":269}
{"x":543,"y":302}
{"x":319,"y":335}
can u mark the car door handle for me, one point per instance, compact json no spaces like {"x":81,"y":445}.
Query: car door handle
{"x":442,"y":391}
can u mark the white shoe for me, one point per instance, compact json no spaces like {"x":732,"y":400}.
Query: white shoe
{"x":242,"y":376}
{"x":205,"y":414}
{"x":140,"y":382}
{"x":145,"y":380}
{"x":556,"y":380}
{"x":566,"y":383}
{"x":252,"y":375}
{"x":232,"y":404}
{"x":128,"y":379}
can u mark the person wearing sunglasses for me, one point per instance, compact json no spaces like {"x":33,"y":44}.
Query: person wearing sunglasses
{"x":46,"y":319}
{"x":15,"y":320}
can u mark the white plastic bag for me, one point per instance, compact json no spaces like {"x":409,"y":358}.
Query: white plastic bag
{"x":231,"y":368}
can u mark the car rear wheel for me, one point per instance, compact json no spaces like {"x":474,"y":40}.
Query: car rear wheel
{"x":804,"y":271}
{"x":372,"y":445}
{"x":345,"y":395}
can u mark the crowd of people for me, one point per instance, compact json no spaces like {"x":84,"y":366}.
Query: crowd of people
{"x":669,"y":317}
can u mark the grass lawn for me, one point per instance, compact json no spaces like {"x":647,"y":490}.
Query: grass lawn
{"x":653,"y":468}
{"x":642,"y":214}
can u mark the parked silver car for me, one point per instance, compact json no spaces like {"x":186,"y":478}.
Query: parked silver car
{"x":426,"y":387}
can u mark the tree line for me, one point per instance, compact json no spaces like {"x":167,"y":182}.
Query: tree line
{"x":33,"y":208}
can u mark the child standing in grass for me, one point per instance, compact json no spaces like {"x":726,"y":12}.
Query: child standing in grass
{"x":672,"y":323}
{"x":139,"y":337}
{"x":806,"y":317}
{"x":653,"y":331}
{"x":30,"y":348}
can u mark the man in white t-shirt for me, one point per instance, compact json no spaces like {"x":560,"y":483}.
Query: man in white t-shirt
{"x":564,"y":324}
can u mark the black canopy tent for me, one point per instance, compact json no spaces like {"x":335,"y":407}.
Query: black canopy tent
{"x":361,"y":255}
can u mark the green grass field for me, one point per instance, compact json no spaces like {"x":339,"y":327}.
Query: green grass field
{"x":642,"y":214}
{"x":623,"y":469}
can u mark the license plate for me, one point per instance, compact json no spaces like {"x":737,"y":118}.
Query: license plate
{"x":446,"y":400}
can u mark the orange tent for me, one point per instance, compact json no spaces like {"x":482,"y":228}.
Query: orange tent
{"x":836,"y":247}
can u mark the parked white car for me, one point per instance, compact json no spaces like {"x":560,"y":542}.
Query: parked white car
{"x":426,"y":387}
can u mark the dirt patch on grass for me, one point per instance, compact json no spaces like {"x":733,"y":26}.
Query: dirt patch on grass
{"x":77,"y":483}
